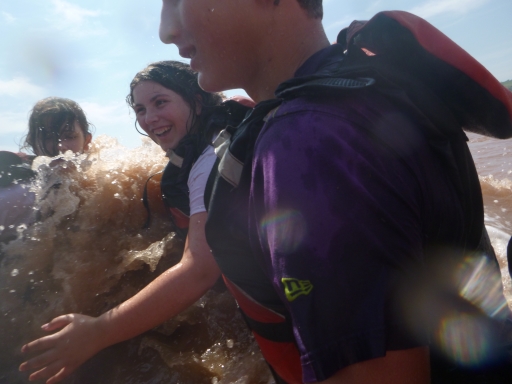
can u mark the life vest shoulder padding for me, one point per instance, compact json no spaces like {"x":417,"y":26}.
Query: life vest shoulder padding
{"x":480,"y":101}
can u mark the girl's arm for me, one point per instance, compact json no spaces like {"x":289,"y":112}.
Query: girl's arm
{"x":82,"y":336}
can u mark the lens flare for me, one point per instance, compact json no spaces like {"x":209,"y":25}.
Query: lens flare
{"x":464,"y":339}
{"x":284,"y":230}
{"x":460,"y":307}
{"x":479,"y":282}
{"x":470,"y":337}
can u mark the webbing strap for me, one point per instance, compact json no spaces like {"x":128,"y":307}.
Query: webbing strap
{"x":325,"y":84}
{"x":145,"y":201}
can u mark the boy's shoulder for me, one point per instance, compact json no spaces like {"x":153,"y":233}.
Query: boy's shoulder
{"x":360,"y":108}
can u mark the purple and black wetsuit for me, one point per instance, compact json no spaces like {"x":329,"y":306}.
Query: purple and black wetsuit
{"x":333,"y":212}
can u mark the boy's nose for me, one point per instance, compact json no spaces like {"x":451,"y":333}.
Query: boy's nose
{"x":169,"y":23}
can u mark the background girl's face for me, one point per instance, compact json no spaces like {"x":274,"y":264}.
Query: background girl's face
{"x":73,"y":140}
{"x":161,"y":113}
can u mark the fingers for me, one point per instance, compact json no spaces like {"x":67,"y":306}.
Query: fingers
{"x":39,"y":361}
{"x":62,"y":352}
{"x":47,"y":341}
{"x":38,"y":345}
{"x":52,"y":368}
{"x":58,"y":322}
{"x":53,"y":372}
{"x":61,"y":375}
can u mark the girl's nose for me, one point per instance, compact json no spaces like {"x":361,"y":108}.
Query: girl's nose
{"x":150,"y":117}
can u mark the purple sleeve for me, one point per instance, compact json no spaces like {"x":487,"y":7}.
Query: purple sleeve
{"x":16,"y":208}
{"x":337,"y":221}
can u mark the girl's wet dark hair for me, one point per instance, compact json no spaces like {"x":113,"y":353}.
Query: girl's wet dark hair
{"x":49,"y":118}
{"x":180,"y":78}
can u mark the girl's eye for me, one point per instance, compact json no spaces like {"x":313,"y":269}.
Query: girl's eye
{"x":68,"y":137}
{"x":138,"y":111}
{"x":160,"y":102}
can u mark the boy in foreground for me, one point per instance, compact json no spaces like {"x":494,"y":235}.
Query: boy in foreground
{"x":355,"y":208}
{"x":327,"y":206}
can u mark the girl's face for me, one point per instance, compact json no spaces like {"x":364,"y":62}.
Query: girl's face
{"x":161,"y":113}
{"x":73,"y":140}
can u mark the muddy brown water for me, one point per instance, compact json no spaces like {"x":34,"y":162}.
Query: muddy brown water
{"x":90,"y":254}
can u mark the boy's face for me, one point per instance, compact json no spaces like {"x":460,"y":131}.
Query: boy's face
{"x":215,"y":35}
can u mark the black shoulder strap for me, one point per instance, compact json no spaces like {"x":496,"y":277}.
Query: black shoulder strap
{"x":323,"y":85}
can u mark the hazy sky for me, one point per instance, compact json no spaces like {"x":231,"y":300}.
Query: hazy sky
{"x":90,"y":50}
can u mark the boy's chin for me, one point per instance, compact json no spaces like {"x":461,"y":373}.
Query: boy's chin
{"x":211,"y":83}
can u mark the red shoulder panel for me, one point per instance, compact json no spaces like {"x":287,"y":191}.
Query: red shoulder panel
{"x":408,"y":46}
{"x":441,"y":46}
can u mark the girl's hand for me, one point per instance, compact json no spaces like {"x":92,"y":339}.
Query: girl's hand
{"x":63,"y":352}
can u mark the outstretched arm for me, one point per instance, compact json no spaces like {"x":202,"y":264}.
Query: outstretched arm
{"x":81,"y":336}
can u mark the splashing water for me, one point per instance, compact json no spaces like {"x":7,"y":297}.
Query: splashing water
{"x":88,"y":252}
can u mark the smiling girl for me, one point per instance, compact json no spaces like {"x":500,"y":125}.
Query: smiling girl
{"x":182,"y":119}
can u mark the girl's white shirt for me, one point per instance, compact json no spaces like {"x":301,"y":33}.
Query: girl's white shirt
{"x":197,"y":179}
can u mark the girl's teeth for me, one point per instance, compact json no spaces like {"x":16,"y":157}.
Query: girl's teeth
{"x":161,"y":132}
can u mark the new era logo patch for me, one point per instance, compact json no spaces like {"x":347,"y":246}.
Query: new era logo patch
{"x":294,"y":288}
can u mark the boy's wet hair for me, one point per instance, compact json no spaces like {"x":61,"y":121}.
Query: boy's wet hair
{"x":49,"y":118}
{"x":314,"y":7}
{"x":180,"y":78}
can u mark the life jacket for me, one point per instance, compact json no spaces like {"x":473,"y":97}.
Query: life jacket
{"x":173,"y":180}
{"x":417,"y":67}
